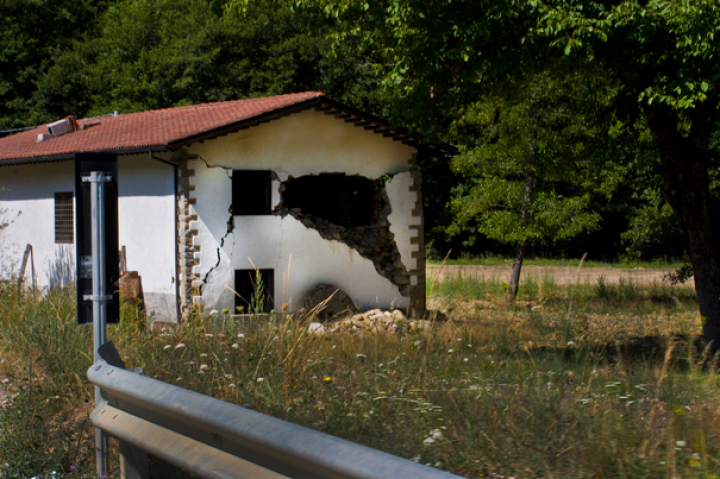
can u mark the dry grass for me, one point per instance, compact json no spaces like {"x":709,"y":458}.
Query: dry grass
{"x":591,"y":384}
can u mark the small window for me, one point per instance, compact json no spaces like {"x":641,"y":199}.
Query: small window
{"x":254,"y":290}
{"x":64,"y":218}
{"x":251,"y":192}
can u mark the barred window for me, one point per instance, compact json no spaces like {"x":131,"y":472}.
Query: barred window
{"x":64,"y":218}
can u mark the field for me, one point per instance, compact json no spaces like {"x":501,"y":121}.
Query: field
{"x":587,"y":379}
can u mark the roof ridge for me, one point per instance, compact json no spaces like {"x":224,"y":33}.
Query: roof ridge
{"x":211,"y":104}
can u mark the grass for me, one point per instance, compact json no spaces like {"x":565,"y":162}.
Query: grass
{"x":589,"y":380}
{"x":666,"y":263}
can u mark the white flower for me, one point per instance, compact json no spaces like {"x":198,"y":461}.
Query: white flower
{"x":203,"y":367}
{"x":360,"y":356}
{"x":167,"y":346}
{"x":231,"y":386}
{"x":466,"y":360}
{"x":208,"y":335}
{"x":235,"y":346}
{"x":241,"y":335}
{"x":428,"y":441}
{"x":334,"y":346}
{"x":436,"y":434}
{"x":228,"y":375}
{"x":203,"y":355}
{"x":180,"y":345}
{"x":259,"y":380}
{"x":417,"y":343}
{"x":680,"y":443}
{"x":450,"y":350}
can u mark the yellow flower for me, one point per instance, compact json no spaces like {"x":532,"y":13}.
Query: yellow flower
{"x":328,"y":379}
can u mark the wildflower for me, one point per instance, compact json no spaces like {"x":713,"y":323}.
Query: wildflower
{"x":417,"y":343}
{"x":180,"y":345}
{"x":231,"y":386}
{"x":203,"y":367}
{"x":72,"y":468}
{"x":450,"y":350}
{"x":167,"y":346}
{"x":327,"y":379}
{"x":208,"y":335}
{"x":360,"y":356}
{"x":228,"y":375}
{"x":466,"y":360}
{"x":259,"y":380}
{"x":334,"y":346}
{"x":680,"y":443}
{"x":203,"y":355}
{"x":235,"y":346}
{"x":241,"y":335}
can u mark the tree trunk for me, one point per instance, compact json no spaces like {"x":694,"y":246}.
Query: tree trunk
{"x":514,"y":283}
{"x":685,"y":172}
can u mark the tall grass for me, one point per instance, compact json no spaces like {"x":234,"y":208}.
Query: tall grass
{"x":590,"y":391}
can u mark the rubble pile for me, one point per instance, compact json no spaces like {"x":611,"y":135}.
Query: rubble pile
{"x":373,"y":321}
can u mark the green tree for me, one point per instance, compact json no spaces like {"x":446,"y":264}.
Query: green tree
{"x":531,"y":165}
{"x":662,"y":54}
{"x":33,"y":34}
{"x":148,"y":54}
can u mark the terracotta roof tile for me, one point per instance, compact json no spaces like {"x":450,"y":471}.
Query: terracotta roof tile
{"x":148,"y":129}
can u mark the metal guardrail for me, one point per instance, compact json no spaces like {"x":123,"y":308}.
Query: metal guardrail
{"x":214,"y":439}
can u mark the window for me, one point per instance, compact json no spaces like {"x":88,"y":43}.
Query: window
{"x":254,"y":290}
{"x":64,"y":218}
{"x":251,"y":192}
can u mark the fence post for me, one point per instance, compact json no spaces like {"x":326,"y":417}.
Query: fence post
{"x":133,"y":462}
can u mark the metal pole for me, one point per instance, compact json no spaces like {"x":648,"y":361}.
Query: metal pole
{"x":97,"y":204}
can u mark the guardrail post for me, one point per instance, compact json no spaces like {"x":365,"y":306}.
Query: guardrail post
{"x":133,"y":462}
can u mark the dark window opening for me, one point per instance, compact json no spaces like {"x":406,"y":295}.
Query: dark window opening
{"x":64,"y":218}
{"x":251,"y":193}
{"x":347,"y":201}
{"x":254,"y":290}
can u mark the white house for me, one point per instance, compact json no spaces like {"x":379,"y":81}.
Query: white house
{"x":300,"y":188}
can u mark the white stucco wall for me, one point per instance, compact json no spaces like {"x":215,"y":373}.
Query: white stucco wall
{"x":305,"y":143}
{"x":146,"y":211}
{"x":403,"y":201}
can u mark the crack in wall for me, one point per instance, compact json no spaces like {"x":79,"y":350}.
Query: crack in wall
{"x":226,"y":168}
{"x":207,"y":275}
{"x":374,"y":242}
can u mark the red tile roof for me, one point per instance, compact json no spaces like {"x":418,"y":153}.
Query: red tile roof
{"x":156,"y":129}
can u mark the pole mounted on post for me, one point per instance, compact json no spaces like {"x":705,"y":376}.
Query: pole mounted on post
{"x":98,"y":297}
{"x":96,"y":207}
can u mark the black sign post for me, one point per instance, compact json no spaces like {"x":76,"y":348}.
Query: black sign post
{"x":85,"y":164}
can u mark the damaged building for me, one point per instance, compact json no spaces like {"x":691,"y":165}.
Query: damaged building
{"x":250,"y":205}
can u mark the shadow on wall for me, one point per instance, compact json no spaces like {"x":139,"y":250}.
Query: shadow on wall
{"x":61,"y":269}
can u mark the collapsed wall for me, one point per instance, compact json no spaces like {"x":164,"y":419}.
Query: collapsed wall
{"x":351,"y":209}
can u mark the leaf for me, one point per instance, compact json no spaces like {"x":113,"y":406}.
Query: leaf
{"x":704,"y":86}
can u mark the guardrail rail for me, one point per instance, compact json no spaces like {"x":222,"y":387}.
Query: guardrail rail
{"x":210,"y":438}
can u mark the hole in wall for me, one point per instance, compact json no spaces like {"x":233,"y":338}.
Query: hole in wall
{"x":347,"y":201}
{"x":351,"y":209}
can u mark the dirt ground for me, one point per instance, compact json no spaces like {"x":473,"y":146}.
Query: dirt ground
{"x":561,"y":274}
